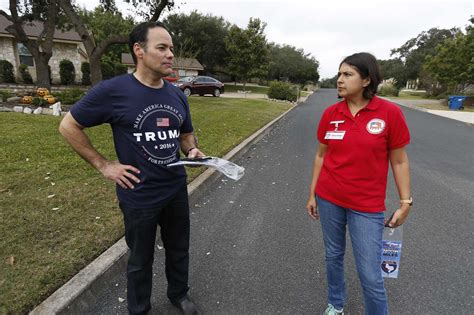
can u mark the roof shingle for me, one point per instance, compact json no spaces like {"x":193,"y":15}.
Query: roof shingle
{"x":34,"y":29}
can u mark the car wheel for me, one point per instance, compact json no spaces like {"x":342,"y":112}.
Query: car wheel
{"x":187,"y":91}
{"x":217,"y":93}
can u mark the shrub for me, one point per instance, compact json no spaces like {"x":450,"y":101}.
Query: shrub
{"x":39,"y":101}
{"x":107,"y":70}
{"x":67,"y":73}
{"x":4,"y":95}
{"x":6,"y":72}
{"x":50,"y":75}
{"x":25,"y":74}
{"x":86,"y":73}
{"x":70,"y":96}
{"x":282,"y":91}
{"x":120,"y":69}
{"x":111,"y":68}
{"x":388,"y":88}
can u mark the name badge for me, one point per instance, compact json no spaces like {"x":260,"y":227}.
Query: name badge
{"x":334,"y":135}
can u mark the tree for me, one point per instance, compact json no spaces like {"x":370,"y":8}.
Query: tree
{"x":289,"y":63}
{"x":94,"y":49}
{"x":415,"y":50}
{"x":330,"y":83}
{"x":45,"y":11}
{"x":102,"y":22}
{"x":200,"y":36}
{"x":248,"y":51}
{"x":453,"y":62}
{"x":394,"y":68}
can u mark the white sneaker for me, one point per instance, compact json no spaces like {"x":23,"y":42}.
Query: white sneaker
{"x":332,"y":311}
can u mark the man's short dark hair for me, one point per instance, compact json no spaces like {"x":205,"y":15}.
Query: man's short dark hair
{"x":367,"y":66}
{"x":139,"y":34}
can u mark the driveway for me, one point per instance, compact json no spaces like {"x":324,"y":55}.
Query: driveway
{"x":254,"y":250}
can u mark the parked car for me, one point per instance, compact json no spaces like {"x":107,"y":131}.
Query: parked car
{"x":173,"y":77}
{"x":200,"y":85}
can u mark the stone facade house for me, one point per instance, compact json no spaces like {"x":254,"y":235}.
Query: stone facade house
{"x":185,"y":66}
{"x":66,"y":45}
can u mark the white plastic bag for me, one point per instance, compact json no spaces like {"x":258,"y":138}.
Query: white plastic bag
{"x":227,"y":168}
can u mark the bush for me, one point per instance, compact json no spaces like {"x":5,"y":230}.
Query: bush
{"x":6,"y":72}
{"x":120,"y":69}
{"x":111,"y":68}
{"x":67,"y":73}
{"x":282,"y":91}
{"x":86,"y":73}
{"x":107,"y":70}
{"x":39,"y":101}
{"x":388,"y":88}
{"x":4,"y":95}
{"x":50,"y":75}
{"x":25,"y":74}
{"x":70,"y":96}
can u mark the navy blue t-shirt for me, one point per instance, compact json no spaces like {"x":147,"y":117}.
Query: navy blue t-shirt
{"x":146,"y":125}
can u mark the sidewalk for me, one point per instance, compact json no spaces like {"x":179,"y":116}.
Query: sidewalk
{"x":467,"y":117}
{"x":255,"y":96}
{"x":243,"y":95}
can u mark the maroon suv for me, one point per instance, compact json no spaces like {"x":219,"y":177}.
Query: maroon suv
{"x":200,"y":85}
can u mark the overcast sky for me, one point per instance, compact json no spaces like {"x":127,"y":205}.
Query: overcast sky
{"x":333,"y":29}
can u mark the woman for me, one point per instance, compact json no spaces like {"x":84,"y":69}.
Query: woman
{"x":357,"y":138}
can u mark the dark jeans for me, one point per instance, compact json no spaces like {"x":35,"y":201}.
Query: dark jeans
{"x":140,"y":234}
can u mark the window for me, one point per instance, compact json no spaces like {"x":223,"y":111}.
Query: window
{"x":210,"y":80}
{"x":25,"y":55}
{"x":200,"y":80}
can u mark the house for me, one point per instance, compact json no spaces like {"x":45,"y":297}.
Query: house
{"x":66,"y":45}
{"x":185,"y":66}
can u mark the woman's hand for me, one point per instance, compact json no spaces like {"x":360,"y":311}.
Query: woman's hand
{"x":312,"y":207}
{"x":399,"y":216}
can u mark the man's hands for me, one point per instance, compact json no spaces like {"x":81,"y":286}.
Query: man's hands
{"x":312,"y":207}
{"x":194,"y":153}
{"x":120,"y":174}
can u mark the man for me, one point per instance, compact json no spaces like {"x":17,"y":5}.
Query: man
{"x":150,"y":121}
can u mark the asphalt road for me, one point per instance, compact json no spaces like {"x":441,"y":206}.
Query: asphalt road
{"x":255,"y":251}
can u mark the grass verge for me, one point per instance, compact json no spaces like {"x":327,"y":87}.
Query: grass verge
{"x":444,"y":107}
{"x":414,"y":95}
{"x":58,"y":214}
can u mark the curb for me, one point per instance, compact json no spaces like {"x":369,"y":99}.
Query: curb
{"x":80,"y":291}
{"x":421,"y":109}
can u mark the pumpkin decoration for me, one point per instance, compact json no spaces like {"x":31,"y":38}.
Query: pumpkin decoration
{"x":49,"y":99}
{"x":42,"y":92}
{"x":27,"y":99}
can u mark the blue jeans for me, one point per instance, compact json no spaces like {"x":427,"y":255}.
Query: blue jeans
{"x":366,"y":230}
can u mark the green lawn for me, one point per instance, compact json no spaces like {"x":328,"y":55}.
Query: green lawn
{"x":58,"y":214}
{"x":411,"y":95}
{"x":305,"y":93}
{"x":444,"y":107}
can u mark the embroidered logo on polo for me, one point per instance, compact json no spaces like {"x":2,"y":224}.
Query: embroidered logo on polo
{"x":157,"y":133}
{"x":376,"y":126}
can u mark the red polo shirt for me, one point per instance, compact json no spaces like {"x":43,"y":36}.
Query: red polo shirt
{"x":354,"y":171}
